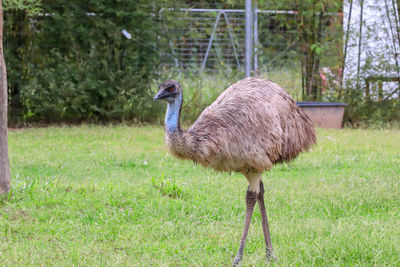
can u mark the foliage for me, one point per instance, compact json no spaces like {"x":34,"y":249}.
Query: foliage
{"x":84,"y":196}
{"x":312,"y":36}
{"x":68,"y":61}
{"x":31,"y":7}
{"x":371,"y":69}
{"x":73,"y":64}
{"x":167,"y":187}
{"x":364,"y":111}
{"x":306,"y":34}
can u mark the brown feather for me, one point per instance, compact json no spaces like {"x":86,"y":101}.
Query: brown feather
{"x":251,"y":126}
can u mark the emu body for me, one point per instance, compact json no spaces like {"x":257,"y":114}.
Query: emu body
{"x":251,"y":126}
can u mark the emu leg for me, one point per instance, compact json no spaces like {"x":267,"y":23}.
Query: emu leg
{"x":251,"y":198}
{"x":264,"y":221}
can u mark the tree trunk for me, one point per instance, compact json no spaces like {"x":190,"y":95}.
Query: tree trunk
{"x":316,"y":83}
{"x":396,"y":11}
{"x":345,"y":51}
{"x":4,"y":163}
{"x":310,"y":41}
{"x":359,"y":44}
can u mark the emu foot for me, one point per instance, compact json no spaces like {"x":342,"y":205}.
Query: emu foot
{"x":237,"y":260}
{"x":270,"y":256}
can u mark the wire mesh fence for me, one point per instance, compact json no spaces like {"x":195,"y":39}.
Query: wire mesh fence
{"x":212,"y":38}
{"x":208,"y":38}
{"x":205,"y":38}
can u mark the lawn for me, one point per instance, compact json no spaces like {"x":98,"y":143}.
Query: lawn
{"x":104,"y":196}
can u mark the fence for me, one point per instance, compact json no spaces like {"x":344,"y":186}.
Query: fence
{"x":209,"y":38}
{"x":204,"y":38}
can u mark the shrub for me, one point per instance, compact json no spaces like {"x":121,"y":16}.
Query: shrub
{"x":73,"y":64}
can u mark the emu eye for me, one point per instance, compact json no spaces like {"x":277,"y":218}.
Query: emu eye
{"x":170,"y":89}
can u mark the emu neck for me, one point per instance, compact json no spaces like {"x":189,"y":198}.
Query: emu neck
{"x":173,"y":115}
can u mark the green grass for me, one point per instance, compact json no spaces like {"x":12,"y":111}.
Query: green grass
{"x":104,"y":196}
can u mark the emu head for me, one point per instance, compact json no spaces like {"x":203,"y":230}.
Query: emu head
{"x":168,"y":91}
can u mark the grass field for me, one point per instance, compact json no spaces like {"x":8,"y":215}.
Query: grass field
{"x":104,"y":196}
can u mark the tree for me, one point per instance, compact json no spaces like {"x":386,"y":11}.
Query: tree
{"x":4,"y":162}
{"x":314,"y":32}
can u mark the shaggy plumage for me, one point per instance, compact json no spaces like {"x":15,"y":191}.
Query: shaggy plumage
{"x":251,"y":126}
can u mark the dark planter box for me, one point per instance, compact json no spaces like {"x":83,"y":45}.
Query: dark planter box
{"x":324,"y":115}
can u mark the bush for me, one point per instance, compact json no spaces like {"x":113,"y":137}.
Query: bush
{"x":73,"y":64}
{"x":363,"y":111}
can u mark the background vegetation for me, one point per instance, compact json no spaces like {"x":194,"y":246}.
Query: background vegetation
{"x":68,"y":61}
{"x":113,"y":196}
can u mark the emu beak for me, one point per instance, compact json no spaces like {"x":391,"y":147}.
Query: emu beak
{"x":159,"y":95}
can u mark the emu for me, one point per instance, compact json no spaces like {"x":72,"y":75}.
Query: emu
{"x":251,"y":126}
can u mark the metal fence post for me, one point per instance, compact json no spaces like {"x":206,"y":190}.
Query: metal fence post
{"x":255,"y":25}
{"x":210,"y":42}
{"x":228,"y":25}
{"x":249,"y":41}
